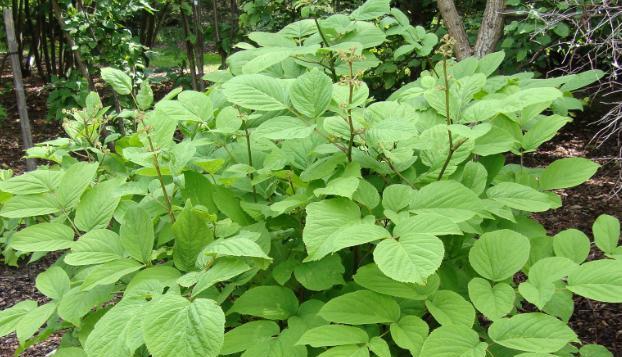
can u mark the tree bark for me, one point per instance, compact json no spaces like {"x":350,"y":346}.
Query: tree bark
{"x":455,"y":27}
{"x":489,"y":33}
{"x":200,"y":43}
{"x":217,"y":39}
{"x":189,"y":47}
{"x":24,"y":121}
{"x":71,"y":43}
{"x":491,"y":28}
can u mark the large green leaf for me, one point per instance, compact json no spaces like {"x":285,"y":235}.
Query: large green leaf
{"x":409,"y":333}
{"x":33,"y":182}
{"x":334,"y":224}
{"x":43,"y":237}
{"x":236,"y":246}
{"x":75,"y":180}
{"x":606,"y":231}
{"x":360,"y":308}
{"x":532,"y":332}
{"x":247,"y":335}
{"x":311,"y":93}
{"x":268,"y":302}
{"x":118,"y":80}
{"x":11,"y":316}
{"x":53,"y":283}
{"x":76,"y":303}
{"x":119,"y":331}
{"x":283,"y":128}
{"x":500,"y":254}
{"x":599,"y":280}
{"x":453,"y":341}
{"x":173,"y":326}
{"x":449,"y":308}
{"x":191,"y":235}
{"x":333,"y":335}
{"x":29,"y":206}
{"x":30,"y":323}
{"x":224,"y":269}
{"x":197,"y":103}
{"x":257,"y":92}
{"x":95,"y":247}
{"x":568,"y":172}
{"x":137,"y":235}
{"x":322,"y":274}
{"x":371,"y":278}
{"x":371,"y":9}
{"x":97,"y":206}
{"x":410,"y":258}
{"x":492,"y":301}
{"x":446,"y":198}
{"x":109,"y":273}
{"x":572,"y":244}
{"x":519,"y":197}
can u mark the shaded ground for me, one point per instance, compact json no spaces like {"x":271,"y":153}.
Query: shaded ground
{"x":594,"y":322}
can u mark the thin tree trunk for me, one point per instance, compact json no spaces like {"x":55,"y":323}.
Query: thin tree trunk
{"x":44,"y":41}
{"x":51,"y":22}
{"x":158,"y":23}
{"x":71,"y":44}
{"x":189,"y":48}
{"x":455,"y":27}
{"x":217,"y":39}
{"x":19,"y":87}
{"x":491,"y":28}
{"x":200,"y":43}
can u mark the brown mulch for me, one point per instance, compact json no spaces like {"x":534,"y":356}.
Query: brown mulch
{"x":594,"y":322}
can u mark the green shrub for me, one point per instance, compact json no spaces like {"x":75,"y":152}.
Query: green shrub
{"x":65,"y":94}
{"x":285,"y":213}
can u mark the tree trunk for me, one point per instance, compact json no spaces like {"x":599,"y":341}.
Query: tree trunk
{"x":491,"y":28}
{"x":200,"y":43}
{"x":455,"y":27}
{"x":189,"y":48}
{"x":489,"y":33}
{"x":24,"y":121}
{"x":71,"y":43}
{"x":217,"y":39}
